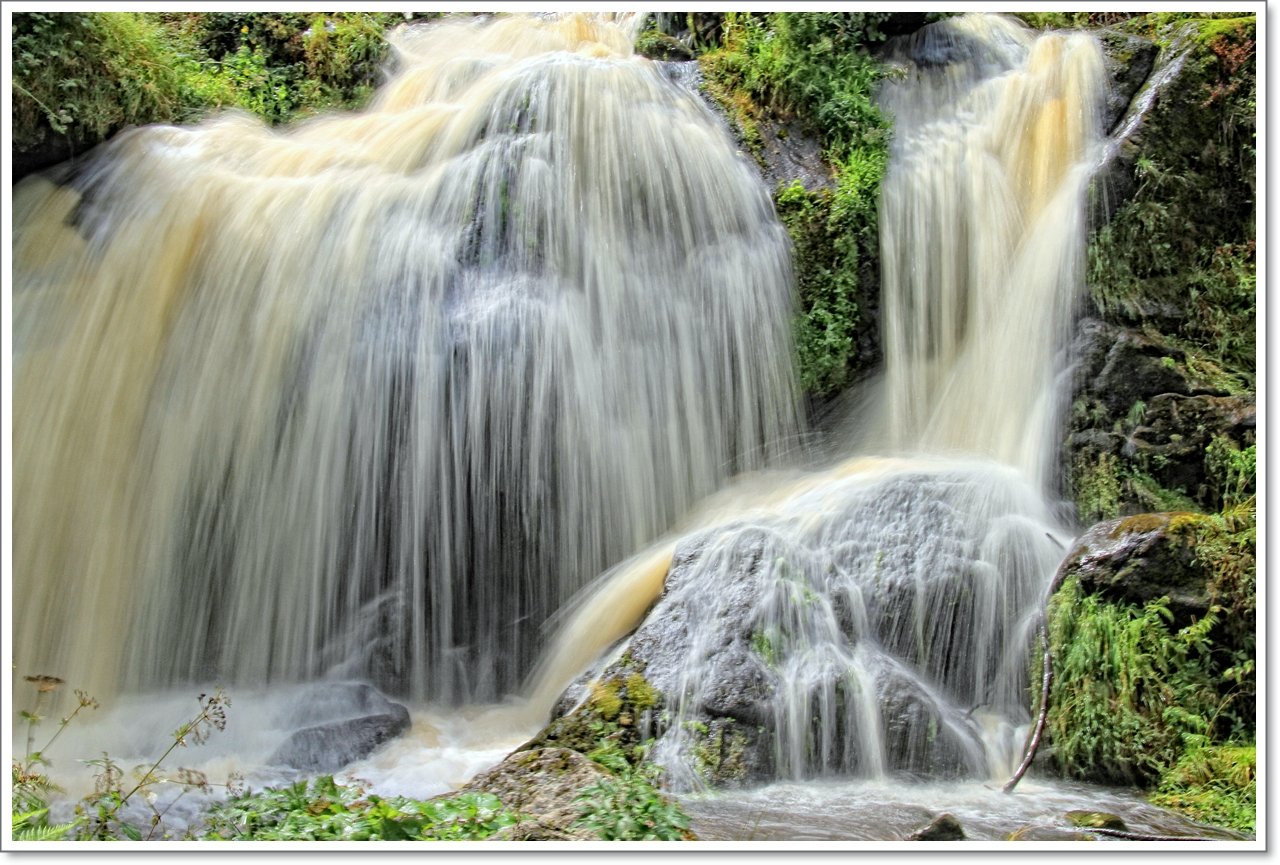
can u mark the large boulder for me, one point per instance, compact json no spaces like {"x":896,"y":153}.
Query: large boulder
{"x":1141,"y":558}
{"x":339,"y":724}
{"x":866,"y":626}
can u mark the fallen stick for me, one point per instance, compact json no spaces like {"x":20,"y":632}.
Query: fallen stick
{"x":1034,"y":742}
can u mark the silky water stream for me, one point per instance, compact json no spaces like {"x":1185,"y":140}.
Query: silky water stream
{"x":375,"y":398}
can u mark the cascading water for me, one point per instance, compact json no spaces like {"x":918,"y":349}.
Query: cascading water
{"x":876,"y":618}
{"x":996,"y":136}
{"x":376,"y":395}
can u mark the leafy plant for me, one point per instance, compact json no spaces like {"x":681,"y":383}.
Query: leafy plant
{"x":99,"y":815}
{"x":1127,"y":695}
{"x":1132,"y":700}
{"x":322,"y":810}
{"x":32,"y":789}
{"x":629,"y":807}
{"x":1233,"y":470}
{"x":80,"y":76}
{"x":817,"y":67}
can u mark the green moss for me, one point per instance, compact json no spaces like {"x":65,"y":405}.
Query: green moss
{"x":1140,"y":524}
{"x":605,"y":698}
{"x":1096,"y":485}
{"x":1214,"y":785}
{"x":1095,"y":820}
{"x":719,"y":751}
{"x":815,"y":67}
{"x":640,"y":693}
{"x":660,"y":46}
{"x":765,"y":644}
{"x":608,"y":725}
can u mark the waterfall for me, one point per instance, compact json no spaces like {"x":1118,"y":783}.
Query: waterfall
{"x":376,"y":394}
{"x":876,"y":618}
{"x":982,"y":227}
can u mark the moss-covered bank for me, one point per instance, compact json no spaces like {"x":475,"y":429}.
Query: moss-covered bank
{"x":1172,"y":270}
{"x":79,"y":77}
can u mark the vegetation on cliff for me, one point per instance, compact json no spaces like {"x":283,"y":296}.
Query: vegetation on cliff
{"x":1178,"y":257}
{"x":79,"y":77}
{"x":1141,"y":698}
{"x":816,"y":66}
{"x":1176,"y":263}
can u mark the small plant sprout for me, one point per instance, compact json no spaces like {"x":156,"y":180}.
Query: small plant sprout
{"x":32,"y":789}
{"x":100,"y":813}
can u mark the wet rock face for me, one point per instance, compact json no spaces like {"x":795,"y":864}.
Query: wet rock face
{"x":791,"y":154}
{"x":1129,"y":60}
{"x":343,"y":723}
{"x":1176,"y":430}
{"x":541,"y":785}
{"x":1138,"y":409}
{"x":1152,"y":81}
{"x":1136,"y":367}
{"x":1139,"y":559}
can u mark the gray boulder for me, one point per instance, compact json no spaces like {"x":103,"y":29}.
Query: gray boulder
{"x":340,"y":723}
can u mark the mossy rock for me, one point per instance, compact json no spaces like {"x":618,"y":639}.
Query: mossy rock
{"x":1096,"y":820}
{"x":1139,"y":559}
{"x":616,"y":713}
{"x":728,"y":753}
{"x":541,"y":786}
{"x":660,"y":46}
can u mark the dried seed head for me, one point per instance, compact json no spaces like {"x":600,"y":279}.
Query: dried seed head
{"x":44,"y":683}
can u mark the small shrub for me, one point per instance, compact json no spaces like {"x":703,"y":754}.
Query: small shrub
{"x":322,"y":810}
{"x":32,"y":788}
{"x":630,"y":807}
{"x":1214,"y":785}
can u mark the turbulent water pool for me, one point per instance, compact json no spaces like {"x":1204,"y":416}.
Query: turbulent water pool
{"x":443,"y":749}
{"x":891,"y":810}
